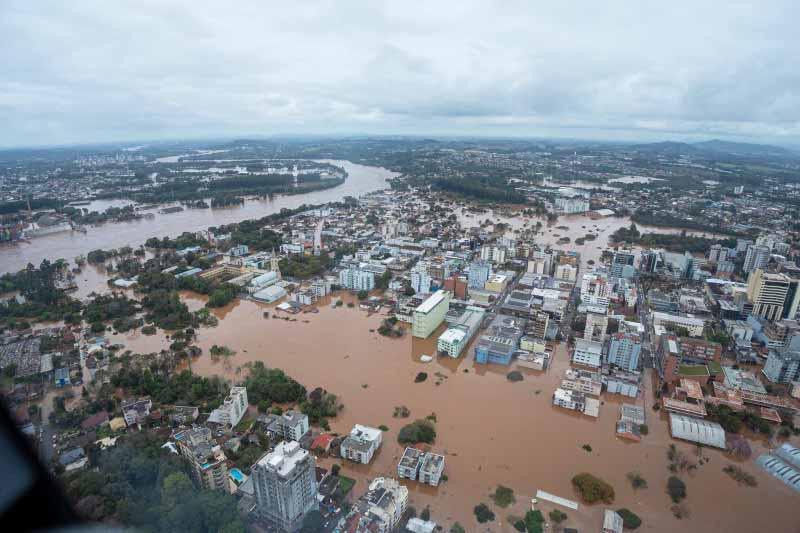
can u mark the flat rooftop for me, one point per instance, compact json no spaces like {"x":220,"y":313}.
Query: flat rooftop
{"x":430,"y":304}
{"x":284,"y":458}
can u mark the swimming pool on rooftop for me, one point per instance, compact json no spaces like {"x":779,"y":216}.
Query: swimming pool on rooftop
{"x":237,"y":475}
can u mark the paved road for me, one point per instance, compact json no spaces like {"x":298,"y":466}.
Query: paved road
{"x":46,"y":444}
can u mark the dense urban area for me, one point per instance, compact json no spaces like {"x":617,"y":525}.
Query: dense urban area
{"x":407,"y":334}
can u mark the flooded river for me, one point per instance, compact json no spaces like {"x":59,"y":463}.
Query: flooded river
{"x":492,"y":431}
{"x":361,"y":180}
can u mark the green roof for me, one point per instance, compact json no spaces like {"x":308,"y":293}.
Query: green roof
{"x":715,"y":368}
{"x":693,"y":370}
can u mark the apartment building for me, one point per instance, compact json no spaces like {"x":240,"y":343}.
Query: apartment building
{"x":136,"y":411}
{"x":596,"y":326}
{"x":756,"y":257}
{"x":774,"y":296}
{"x":624,"y":350}
{"x":420,"y":279}
{"x":461,"y":331}
{"x":783,"y":365}
{"x":205,"y":457}
{"x":582,"y":381}
{"x":291,"y":425}
{"x":588,"y":353}
{"x":430,"y":314}
{"x":494,"y":254}
{"x":620,"y":260}
{"x":233,"y":408}
{"x":380,"y":509}
{"x":355,"y":279}
{"x":566,"y":272}
{"x":595,"y":289}
{"x":479,"y":272}
{"x":361,"y":444}
{"x":425,"y":467}
{"x":285,"y":486}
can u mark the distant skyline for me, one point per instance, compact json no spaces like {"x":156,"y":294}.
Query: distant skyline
{"x":93,"y":72}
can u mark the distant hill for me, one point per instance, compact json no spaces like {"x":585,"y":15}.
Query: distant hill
{"x":736,"y":148}
{"x":668,"y":148}
{"x":715,"y":147}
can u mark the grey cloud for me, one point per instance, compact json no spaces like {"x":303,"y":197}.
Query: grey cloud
{"x":96,"y":70}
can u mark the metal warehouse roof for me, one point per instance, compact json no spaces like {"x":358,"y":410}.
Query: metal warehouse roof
{"x":774,"y":466}
{"x":696,"y":430}
{"x":790,"y":454}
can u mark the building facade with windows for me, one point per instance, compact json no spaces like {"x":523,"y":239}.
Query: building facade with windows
{"x":285,"y":486}
{"x":624,"y":350}
{"x":430,"y":314}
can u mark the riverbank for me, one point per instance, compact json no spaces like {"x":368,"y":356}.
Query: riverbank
{"x":361,"y":180}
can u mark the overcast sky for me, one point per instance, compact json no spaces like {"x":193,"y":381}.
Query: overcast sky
{"x":105,"y":70}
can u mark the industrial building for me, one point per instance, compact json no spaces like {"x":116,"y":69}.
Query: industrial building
{"x":697,"y":430}
{"x":500,"y":341}
{"x":784,"y":464}
{"x":461,"y":331}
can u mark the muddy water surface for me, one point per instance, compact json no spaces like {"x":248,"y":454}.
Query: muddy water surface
{"x":491,"y":430}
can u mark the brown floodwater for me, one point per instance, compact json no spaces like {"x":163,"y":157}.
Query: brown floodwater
{"x":492,"y":431}
{"x":577,"y":226}
{"x":361,"y":180}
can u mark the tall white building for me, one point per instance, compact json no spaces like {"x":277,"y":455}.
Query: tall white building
{"x":285,"y":486}
{"x":595,"y":289}
{"x":756,"y":257}
{"x":566,"y":272}
{"x":420,"y":280}
{"x":479,"y":272}
{"x":356,"y":279}
{"x":774,"y":296}
{"x":494,"y":254}
{"x":320,"y":288}
{"x":233,"y":408}
{"x":596,"y":325}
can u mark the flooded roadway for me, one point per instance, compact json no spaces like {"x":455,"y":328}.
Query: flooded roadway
{"x":492,"y":431}
{"x":361,"y":180}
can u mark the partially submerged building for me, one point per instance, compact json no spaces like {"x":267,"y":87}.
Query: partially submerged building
{"x":361,"y":444}
{"x":696,"y":430}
